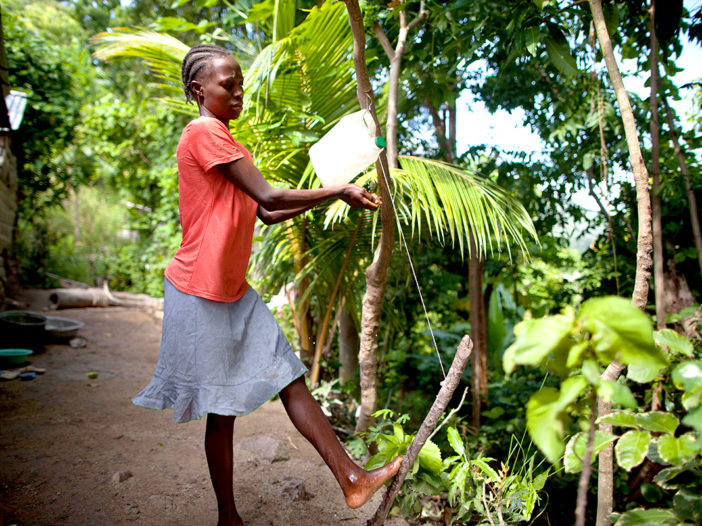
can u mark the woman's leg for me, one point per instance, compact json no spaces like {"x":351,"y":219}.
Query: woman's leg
{"x":219,"y":437}
{"x":357,"y":484}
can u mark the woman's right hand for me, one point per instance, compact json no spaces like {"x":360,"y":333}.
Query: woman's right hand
{"x":358,"y":197}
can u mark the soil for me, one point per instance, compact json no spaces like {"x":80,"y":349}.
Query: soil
{"x":74,"y":450}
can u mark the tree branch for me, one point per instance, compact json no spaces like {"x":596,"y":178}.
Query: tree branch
{"x":384,"y":41}
{"x":421,"y":16}
{"x":448,"y":386}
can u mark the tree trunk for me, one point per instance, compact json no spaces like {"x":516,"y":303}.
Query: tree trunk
{"x":644,"y":247}
{"x":658,"y":273}
{"x":453,"y":153}
{"x":348,"y":347}
{"x":475,"y":294}
{"x":305,"y":330}
{"x":691,"y":199}
{"x":377,"y":271}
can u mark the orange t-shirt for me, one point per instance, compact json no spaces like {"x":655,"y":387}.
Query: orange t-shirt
{"x":216,"y":216}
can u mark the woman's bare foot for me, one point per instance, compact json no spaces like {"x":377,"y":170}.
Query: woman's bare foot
{"x":365,"y":483}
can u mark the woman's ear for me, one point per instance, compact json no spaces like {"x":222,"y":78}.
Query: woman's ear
{"x":196,"y":89}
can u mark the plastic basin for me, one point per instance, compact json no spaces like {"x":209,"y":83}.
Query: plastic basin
{"x":62,"y":328}
{"x":21,"y":329}
{"x":14,"y":356}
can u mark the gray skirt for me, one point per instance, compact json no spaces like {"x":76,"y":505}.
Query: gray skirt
{"x":222,"y":358}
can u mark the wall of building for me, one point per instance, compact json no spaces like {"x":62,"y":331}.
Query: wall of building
{"x":8,"y":207}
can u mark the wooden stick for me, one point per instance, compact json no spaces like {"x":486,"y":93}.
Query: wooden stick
{"x":448,"y":386}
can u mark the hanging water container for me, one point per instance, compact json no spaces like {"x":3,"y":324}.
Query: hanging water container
{"x":347,"y":149}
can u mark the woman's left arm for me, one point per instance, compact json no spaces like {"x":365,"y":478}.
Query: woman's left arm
{"x":278,"y":216}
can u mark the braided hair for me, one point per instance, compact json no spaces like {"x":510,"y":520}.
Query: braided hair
{"x":198,"y":59}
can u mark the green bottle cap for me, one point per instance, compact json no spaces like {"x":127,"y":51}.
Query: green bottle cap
{"x":380,"y":142}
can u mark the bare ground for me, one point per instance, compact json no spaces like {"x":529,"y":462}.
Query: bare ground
{"x":66,"y":441}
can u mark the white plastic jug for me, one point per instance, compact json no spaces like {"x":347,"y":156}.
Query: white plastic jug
{"x":346,"y":150}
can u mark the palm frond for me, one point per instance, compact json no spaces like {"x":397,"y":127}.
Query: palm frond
{"x":161,"y":52}
{"x":449,"y":201}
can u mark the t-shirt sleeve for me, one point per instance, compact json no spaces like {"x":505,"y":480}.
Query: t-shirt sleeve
{"x":213,"y":145}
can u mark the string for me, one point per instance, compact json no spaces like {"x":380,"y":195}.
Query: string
{"x":409,"y":258}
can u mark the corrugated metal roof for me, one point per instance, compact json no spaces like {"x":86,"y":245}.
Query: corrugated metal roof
{"x":16,"y":101}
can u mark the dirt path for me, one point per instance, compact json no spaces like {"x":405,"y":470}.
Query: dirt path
{"x":67,"y":440}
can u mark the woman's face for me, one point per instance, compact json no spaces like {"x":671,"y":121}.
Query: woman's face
{"x":220,"y":93}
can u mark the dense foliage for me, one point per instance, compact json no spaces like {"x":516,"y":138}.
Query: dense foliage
{"x":98,"y":201}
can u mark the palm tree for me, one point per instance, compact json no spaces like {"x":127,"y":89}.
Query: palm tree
{"x":297,"y":89}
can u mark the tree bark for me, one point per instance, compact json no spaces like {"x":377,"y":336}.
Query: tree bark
{"x":644,"y":247}
{"x":377,"y":271}
{"x":448,"y":386}
{"x":395,"y":57}
{"x":691,"y":199}
{"x":643,"y":198}
{"x":658,"y":267}
{"x":348,"y":347}
{"x":475,"y":296}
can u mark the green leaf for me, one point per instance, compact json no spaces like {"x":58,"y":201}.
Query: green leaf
{"x":676,"y":342}
{"x":496,"y":323}
{"x":547,"y":414}
{"x":591,"y":371}
{"x":688,"y":505}
{"x":531,"y":39}
{"x":560,"y":56}
{"x":644,"y":517}
{"x":430,"y":457}
{"x":536,"y":339}
{"x":540,"y":480}
{"x":642,"y":374}
{"x":611,"y":14}
{"x":612,"y":390}
{"x":455,"y":441}
{"x":658,"y":422}
{"x":679,"y":450}
{"x":619,"y":418}
{"x":688,"y":375}
{"x":621,"y":332}
{"x":376,"y":461}
{"x":665,"y":476}
{"x":577,"y":446}
{"x":692,"y":399}
{"x":631,"y":449}
{"x":694,"y":419}
{"x":485,"y":469}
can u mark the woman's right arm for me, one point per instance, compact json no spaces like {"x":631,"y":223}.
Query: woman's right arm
{"x":246,"y":176}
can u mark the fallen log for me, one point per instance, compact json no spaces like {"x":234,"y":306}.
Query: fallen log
{"x":448,"y":386}
{"x":70,"y":298}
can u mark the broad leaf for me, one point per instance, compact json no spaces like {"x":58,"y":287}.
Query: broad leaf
{"x":694,"y":419}
{"x":536,"y":339}
{"x":430,"y":457}
{"x":455,"y":441}
{"x":631,"y":449}
{"x":612,"y":390}
{"x":677,"y":451}
{"x":665,"y":476}
{"x":619,"y":418}
{"x":577,"y":447}
{"x":643,"y":517}
{"x":658,"y":422}
{"x":547,"y":414}
{"x":688,"y":375}
{"x":560,"y":56}
{"x":688,"y":505}
{"x":674,"y":341}
{"x":621,"y":332}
